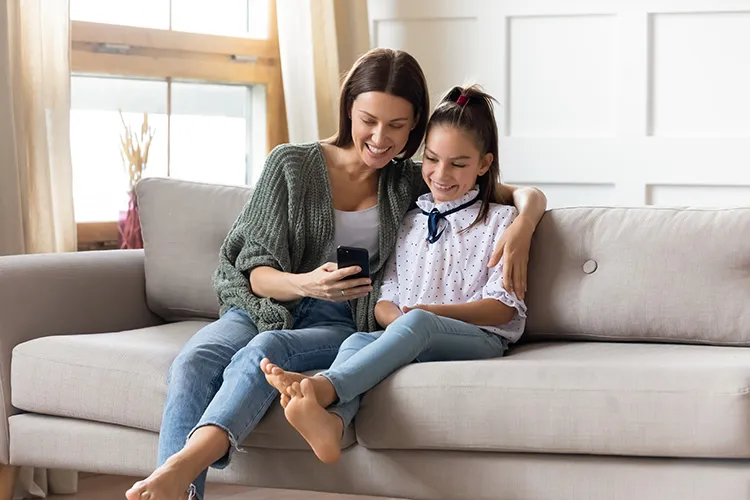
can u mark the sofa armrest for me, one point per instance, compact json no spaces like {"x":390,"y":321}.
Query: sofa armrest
{"x":68,"y":293}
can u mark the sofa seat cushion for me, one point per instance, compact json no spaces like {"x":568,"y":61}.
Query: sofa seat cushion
{"x":119,"y":378}
{"x":570,"y":397}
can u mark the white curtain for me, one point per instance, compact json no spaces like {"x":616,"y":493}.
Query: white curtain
{"x":319,"y":40}
{"x":36,"y":195}
{"x":34,"y":482}
{"x":36,"y":214}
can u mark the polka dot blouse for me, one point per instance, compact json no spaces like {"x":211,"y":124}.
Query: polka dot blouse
{"x":453,"y":270}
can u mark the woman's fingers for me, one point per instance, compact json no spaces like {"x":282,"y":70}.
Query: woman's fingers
{"x":508,"y":274}
{"x":497,"y":253}
{"x":344,"y":273}
{"x":352,"y":293}
{"x":522,"y":283}
{"x":359,"y":282}
{"x":329,"y":267}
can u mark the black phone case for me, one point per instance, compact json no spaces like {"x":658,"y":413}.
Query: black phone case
{"x":353,"y":256}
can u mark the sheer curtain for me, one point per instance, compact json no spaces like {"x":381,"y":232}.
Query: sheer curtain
{"x":38,"y":209}
{"x":319,"y":40}
{"x":36,"y":195}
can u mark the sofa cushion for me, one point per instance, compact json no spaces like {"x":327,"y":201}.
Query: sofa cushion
{"x":184,"y":225}
{"x":641,"y":274}
{"x":119,"y":378}
{"x":590,"y":398}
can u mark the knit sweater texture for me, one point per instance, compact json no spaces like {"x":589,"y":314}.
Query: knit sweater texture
{"x":288,"y":224}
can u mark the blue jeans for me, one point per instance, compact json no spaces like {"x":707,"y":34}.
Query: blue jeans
{"x":365,"y":359}
{"x":216,"y":379}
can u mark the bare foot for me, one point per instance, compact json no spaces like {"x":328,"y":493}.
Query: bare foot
{"x":278,"y":378}
{"x":165,"y":483}
{"x":322,"y":430}
{"x":285,"y":400}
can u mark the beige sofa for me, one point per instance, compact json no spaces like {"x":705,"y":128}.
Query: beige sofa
{"x":633,"y":381}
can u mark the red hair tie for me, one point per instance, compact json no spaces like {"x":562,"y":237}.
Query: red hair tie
{"x":462,"y":100}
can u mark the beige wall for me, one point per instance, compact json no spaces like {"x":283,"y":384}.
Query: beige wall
{"x":11,"y":234}
{"x":352,"y":30}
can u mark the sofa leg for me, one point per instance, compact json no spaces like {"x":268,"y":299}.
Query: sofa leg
{"x":8,"y":475}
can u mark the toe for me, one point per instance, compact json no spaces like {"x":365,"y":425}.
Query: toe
{"x":294,"y":390}
{"x":134,"y":493}
{"x":265,"y":365}
{"x":306,"y":387}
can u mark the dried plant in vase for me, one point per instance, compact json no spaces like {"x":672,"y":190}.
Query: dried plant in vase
{"x":134,"y":149}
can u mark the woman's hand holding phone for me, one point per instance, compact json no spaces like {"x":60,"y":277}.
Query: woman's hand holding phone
{"x":328,"y":282}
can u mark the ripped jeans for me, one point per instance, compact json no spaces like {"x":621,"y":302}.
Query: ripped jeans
{"x":216,"y":379}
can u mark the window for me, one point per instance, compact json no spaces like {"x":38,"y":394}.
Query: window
{"x":207,"y":75}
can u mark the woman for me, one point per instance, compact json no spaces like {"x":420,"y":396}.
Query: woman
{"x":281,"y":296}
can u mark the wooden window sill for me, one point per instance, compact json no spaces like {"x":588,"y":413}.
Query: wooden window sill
{"x":97,"y":236}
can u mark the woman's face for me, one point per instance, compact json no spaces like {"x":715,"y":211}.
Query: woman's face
{"x":381,"y":124}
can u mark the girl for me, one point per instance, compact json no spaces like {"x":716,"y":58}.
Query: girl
{"x":439,"y":301}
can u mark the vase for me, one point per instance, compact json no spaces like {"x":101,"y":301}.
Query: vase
{"x":130,"y":227}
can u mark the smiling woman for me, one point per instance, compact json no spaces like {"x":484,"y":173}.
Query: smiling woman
{"x":280,"y":297}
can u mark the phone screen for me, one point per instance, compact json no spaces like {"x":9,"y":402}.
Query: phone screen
{"x":354,"y":256}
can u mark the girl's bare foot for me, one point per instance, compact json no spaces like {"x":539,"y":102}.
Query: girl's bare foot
{"x":322,"y":430}
{"x":168,"y":482}
{"x":278,"y":378}
{"x":282,"y":380}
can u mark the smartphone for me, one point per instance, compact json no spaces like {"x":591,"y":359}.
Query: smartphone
{"x":354,"y":256}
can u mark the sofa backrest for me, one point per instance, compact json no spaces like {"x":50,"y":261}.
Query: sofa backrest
{"x":184,"y":225}
{"x":641,"y":274}
{"x":637,"y":274}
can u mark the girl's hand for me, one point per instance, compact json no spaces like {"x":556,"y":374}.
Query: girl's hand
{"x":406,"y":309}
{"x":513,"y":247}
{"x":386,"y":312}
{"x":328,"y":282}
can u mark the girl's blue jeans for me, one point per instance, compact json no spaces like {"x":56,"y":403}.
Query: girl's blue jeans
{"x":365,"y":359}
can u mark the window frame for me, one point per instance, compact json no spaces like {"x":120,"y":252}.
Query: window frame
{"x":127,"y":51}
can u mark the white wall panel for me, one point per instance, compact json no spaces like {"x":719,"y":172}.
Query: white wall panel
{"x":603,"y":102}
{"x":561,"y":195}
{"x":699,"y":196}
{"x":433,"y":42}
{"x":701,"y":74}
{"x":562,"y":76}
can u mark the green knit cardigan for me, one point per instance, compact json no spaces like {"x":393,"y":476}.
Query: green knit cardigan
{"x":288,"y":224}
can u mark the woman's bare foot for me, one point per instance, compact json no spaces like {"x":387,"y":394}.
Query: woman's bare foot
{"x":322,"y":430}
{"x":278,"y":378}
{"x":168,"y":482}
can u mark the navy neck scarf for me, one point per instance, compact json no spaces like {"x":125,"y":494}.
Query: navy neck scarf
{"x":434,"y":216}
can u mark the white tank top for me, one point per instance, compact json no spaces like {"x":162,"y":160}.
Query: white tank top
{"x":357,"y":229}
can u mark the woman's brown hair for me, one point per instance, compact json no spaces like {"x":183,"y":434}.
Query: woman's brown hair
{"x":470,"y":109}
{"x":393,"y":72}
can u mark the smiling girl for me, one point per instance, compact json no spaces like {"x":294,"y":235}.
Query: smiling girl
{"x":439,"y":300}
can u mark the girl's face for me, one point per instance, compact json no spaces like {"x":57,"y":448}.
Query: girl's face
{"x":381,"y":124}
{"x":452,"y":163}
